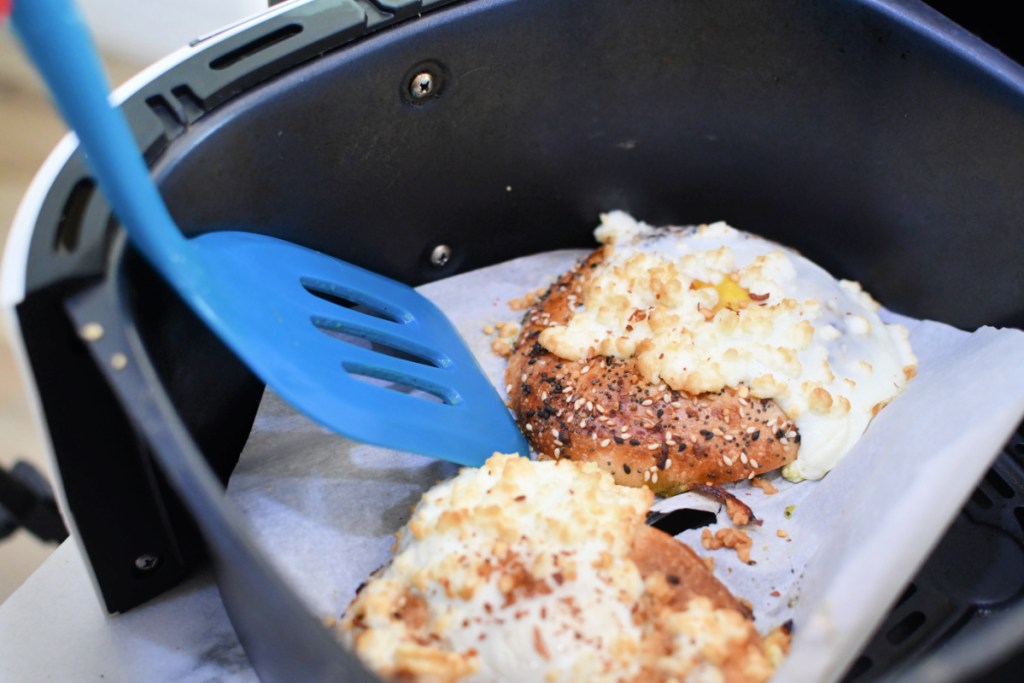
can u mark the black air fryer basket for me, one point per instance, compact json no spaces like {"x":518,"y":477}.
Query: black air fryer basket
{"x":875,"y":136}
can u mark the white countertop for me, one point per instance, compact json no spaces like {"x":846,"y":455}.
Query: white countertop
{"x":54,"y":628}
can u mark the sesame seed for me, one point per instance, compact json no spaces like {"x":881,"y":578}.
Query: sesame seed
{"x":647,"y":402}
{"x":625,"y":435}
{"x":727,"y":460}
{"x":654,"y":478}
{"x":577,"y":404}
{"x":728,"y":437}
{"x":668,"y":463}
{"x":583,"y":423}
{"x":647,"y":475}
{"x":743,"y":458}
{"x":654,"y":446}
{"x":604,"y":443}
{"x":666,"y":398}
{"x":558,"y":451}
{"x":585,"y":370}
{"x":529,"y":427}
{"x":754,"y":463}
{"x":600,"y":408}
{"x":554,"y":432}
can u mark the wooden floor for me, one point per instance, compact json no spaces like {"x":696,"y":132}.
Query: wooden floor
{"x":29,"y":129}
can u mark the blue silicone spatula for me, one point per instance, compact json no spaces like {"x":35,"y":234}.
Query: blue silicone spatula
{"x":272,"y":301}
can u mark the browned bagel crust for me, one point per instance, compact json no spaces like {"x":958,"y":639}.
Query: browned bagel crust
{"x":655,"y":552}
{"x":675,"y":575}
{"x":602,"y":410}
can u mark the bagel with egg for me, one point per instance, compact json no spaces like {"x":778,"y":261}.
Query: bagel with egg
{"x":601,"y":409}
{"x":702,"y":355}
{"x":544,"y":571}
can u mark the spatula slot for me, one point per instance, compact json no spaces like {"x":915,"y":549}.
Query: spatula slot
{"x":389,"y":380}
{"x":332,"y":294}
{"x":338,"y":330}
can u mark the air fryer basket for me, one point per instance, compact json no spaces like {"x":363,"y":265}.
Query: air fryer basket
{"x":878,"y":138}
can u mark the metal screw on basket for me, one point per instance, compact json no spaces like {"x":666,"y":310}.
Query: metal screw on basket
{"x":441,"y":255}
{"x":422,"y":85}
{"x":146,"y":562}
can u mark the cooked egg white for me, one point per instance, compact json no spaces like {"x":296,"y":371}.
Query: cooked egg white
{"x":710,"y":307}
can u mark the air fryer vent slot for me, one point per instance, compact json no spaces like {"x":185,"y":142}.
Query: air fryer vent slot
{"x":69,"y":228}
{"x":905,"y":628}
{"x":907,"y":594}
{"x":999,"y":484}
{"x":168,"y":117}
{"x":981,"y":500}
{"x":255,"y":46}
{"x":191,"y":105}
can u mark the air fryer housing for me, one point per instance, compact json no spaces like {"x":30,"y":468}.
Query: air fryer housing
{"x":878,"y":138}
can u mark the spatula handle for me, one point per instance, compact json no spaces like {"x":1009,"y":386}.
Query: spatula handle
{"x":58,"y":42}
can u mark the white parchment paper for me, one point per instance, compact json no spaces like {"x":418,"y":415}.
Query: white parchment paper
{"x":325,"y":508}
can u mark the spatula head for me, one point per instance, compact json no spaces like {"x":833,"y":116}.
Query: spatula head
{"x":367,"y":357}
{"x":290,"y":313}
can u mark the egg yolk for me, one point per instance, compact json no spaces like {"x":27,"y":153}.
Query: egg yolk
{"x":730,"y":294}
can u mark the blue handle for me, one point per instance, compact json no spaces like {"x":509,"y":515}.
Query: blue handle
{"x":58,"y":42}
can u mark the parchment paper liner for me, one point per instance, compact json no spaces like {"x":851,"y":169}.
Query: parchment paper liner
{"x":326,"y":508}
